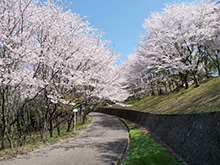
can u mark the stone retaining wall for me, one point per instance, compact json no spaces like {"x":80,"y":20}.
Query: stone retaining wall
{"x":195,"y":137}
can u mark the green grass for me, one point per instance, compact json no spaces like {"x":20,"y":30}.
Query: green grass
{"x":205,"y":98}
{"x":145,"y":151}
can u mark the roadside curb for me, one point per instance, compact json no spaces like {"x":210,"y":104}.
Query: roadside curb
{"x":122,"y":156}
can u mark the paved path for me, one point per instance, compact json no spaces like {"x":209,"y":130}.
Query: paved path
{"x":101,"y":143}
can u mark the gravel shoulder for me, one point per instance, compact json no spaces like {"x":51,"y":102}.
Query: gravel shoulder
{"x":102,"y":142}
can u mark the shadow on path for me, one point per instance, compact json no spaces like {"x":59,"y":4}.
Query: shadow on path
{"x":101,"y":143}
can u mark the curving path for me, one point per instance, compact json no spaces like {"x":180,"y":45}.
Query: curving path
{"x":101,"y":143}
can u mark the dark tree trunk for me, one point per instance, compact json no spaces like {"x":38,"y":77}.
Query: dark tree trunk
{"x":177,"y":86}
{"x":58,"y":126}
{"x":3,"y":137}
{"x":24,"y":139}
{"x":68,"y":126}
{"x":69,"y":122}
{"x":160,"y":91}
{"x":9,"y":138}
{"x":186,"y":81}
{"x":182,"y":80}
{"x":3,"y":143}
{"x":84,"y":118}
{"x":41,"y":135}
{"x":86,"y":113}
{"x":10,"y":142}
{"x":152,"y":91}
{"x":20,"y":142}
{"x":58,"y":130}
{"x":19,"y":129}
{"x":51,"y":128}
{"x":196,"y":82}
{"x":51,"y":118}
{"x":3,"y":123}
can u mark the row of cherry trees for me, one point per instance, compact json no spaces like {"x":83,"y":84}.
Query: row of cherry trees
{"x":181,"y":46}
{"x":51,"y":60}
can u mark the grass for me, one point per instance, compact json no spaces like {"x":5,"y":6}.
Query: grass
{"x":205,"y":98}
{"x":8,"y":153}
{"x":144,"y":150}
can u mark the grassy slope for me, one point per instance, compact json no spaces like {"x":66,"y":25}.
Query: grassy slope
{"x":205,"y":98}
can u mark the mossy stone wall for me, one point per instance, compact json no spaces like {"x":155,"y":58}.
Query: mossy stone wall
{"x":195,"y":137}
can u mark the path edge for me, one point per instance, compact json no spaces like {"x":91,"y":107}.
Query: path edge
{"x":122,"y":156}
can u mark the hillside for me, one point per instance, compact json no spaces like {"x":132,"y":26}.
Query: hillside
{"x":205,"y":98}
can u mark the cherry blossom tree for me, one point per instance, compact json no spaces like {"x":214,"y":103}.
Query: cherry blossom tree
{"x":50,"y":58}
{"x":17,"y":84}
{"x":180,"y":45}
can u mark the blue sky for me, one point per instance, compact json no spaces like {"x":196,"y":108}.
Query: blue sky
{"x":120,"y":20}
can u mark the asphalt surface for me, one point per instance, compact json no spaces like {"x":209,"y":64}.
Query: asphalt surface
{"x":101,"y":143}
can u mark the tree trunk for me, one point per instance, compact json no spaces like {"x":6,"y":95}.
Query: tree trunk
{"x":165,"y":86}
{"x":8,"y":137}
{"x":169,"y":86}
{"x":160,"y":91}
{"x":45,"y":131}
{"x":177,"y":86}
{"x":51,"y":118}
{"x":68,"y":126}
{"x":20,"y":141}
{"x":58,"y":126}
{"x":69,"y":122}
{"x":3,"y":143}
{"x":19,"y":129}
{"x":84,"y":118}
{"x":51,"y":129}
{"x":3,"y":138}
{"x":10,"y":142}
{"x":185,"y":81}
{"x":41,"y":134}
{"x":196,"y":82}
{"x":31,"y":139}
{"x":182,"y":80}
{"x":24,"y":139}
{"x":85,"y":115}
{"x":3,"y":123}
{"x":58,"y":130}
